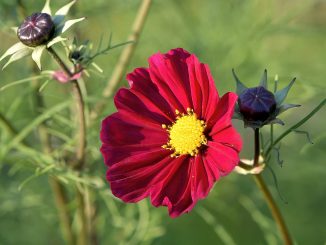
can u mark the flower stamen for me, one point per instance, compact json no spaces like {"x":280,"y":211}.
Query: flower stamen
{"x":186,"y":134}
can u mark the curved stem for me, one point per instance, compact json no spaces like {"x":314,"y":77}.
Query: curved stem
{"x":59,"y":61}
{"x":83,"y":236}
{"x":80,"y":153}
{"x":59,"y":191}
{"x":274,"y":209}
{"x":268,"y":197}
{"x":125,"y":57}
{"x":295,"y":126}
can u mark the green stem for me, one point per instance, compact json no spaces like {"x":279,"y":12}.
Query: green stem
{"x":57,"y":188}
{"x":83,"y":236}
{"x":7,"y":125}
{"x":274,"y":209}
{"x":125,"y":57}
{"x":257,"y":148}
{"x":61,"y":201}
{"x":59,"y":61}
{"x":295,"y":126}
{"x":268,"y":197}
{"x":80,"y":152}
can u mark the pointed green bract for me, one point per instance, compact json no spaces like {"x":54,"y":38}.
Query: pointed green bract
{"x":281,"y":94}
{"x":277,"y":121}
{"x":18,"y":55}
{"x":69,"y":23}
{"x":263,"y":80}
{"x":14,"y":29}
{"x":240,"y":86}
{"x":13,"y":49}
{"x":286,"y":107}
{"x":37,"y":54}
{"x":46,"y":9}
{"x":55,"y":40}
{"x":60,"y":14}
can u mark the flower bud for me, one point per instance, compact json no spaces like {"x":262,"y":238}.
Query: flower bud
{"x":257,"y":104}
{"x":75,"y":56}
{"x":36,"y":29}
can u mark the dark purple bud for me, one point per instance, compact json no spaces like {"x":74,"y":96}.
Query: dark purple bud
{"x":36,"y":29}
{"x":75,"y":55}
{"x":257,"y":104}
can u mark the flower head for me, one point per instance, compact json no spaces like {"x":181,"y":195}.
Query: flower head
{"x":258,"y":106}
{"x":172,"y":136}
{"x":257,"y":103}
{"x":36,"y":29}
{"x":38,"y":32}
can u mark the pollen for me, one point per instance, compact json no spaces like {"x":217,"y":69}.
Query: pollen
{"x":186,"y":134}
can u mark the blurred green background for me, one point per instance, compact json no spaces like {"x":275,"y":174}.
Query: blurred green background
{"x":286,"y":37}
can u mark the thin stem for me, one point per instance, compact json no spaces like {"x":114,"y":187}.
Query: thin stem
{"x":59,"y":61}
{"x":125,"y":56}
{"x":268,"y":197}
{"x":272,"y":134}
{"x":83,"y":236}
{"x":7,"y":124}
{"x":62,"y":203}
{"x":80,"y":152}
{"x":295,"y":126}
{"x":274,"y":209}
{"x":58,"y":189}
{"x":257,"y":148}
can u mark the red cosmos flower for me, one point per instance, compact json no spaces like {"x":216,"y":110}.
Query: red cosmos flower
{"x":172,"y":136}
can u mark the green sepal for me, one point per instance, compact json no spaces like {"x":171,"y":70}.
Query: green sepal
{"x":281,"y":94}
{"x":65,"y":26}
{"x":240,"y":87}
{"x":47,"y":9}
{"x":276,"y":121}
{"x":37,"y":54}
{"x":62,"y":12}
{"x":55,"y":40}
{"x":13,"y":49}
{"x":263,"y":80}
{"x":286,"y":107}
{"x":18,"y":55}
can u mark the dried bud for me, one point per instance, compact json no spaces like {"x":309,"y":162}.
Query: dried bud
{"x":257,"y":104}
{"x":36,"y":29}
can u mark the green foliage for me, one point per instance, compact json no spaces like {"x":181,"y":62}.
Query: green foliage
{"x":286,"y":37}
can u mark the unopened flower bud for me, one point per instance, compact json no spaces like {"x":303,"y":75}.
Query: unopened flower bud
{"x":36,"y":29}
{"x":257,"y":104}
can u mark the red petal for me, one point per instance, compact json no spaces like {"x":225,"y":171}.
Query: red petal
{"x":140,"y":82}
{"x":135,"y":103}
{"x":132,"y":179}
{"x":222,"y":114}
{"x":202,"y":179}
{"x":117,"y":133}
{"x":170,"y":74}
{"x":203,"y":90}
{"x":174,"y":189}
{"x":229,"y":137}
{"x":221,"y":157}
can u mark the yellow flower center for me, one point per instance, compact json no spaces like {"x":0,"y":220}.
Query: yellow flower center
{"x":186,"y":134}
